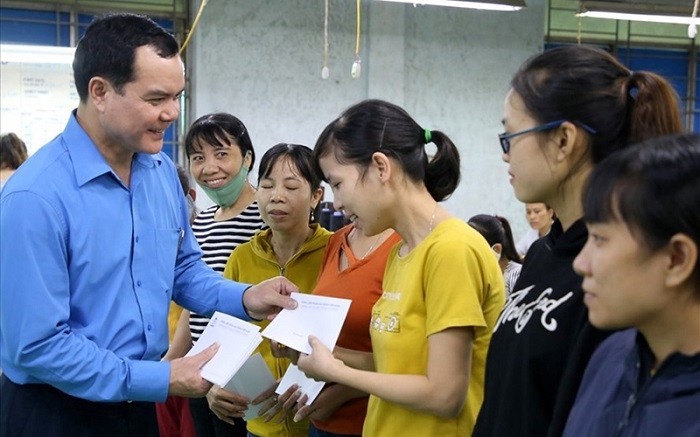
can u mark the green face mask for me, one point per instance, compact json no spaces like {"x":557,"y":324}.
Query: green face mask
{"x":228,"y":194}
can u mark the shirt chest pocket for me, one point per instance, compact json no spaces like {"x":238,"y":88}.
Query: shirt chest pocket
{"x":167,"y":245}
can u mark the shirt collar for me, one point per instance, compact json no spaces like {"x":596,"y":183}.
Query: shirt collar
{"x":84,"y":151}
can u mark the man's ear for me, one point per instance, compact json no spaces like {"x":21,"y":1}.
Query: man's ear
{"x":382,"y":164}
{"x":683,"y":259}
{"x":98,"y":89}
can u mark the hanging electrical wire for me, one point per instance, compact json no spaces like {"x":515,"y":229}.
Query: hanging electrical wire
{"x":194,"y":26}
{"x":325,"y":72}
{"x":356,"y":66}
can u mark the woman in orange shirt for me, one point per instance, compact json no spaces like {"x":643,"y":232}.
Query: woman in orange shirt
{"x":353,"y":268}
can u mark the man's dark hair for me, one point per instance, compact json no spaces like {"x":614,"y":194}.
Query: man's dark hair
{"x":108,"y":49}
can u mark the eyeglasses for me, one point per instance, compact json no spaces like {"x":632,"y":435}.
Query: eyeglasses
{"x":504,"y":138}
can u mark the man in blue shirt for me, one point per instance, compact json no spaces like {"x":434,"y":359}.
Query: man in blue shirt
{"x":95,"y":242}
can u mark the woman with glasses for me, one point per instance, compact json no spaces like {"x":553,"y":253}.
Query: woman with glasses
{"x":640,"y":269}
{"x":567,"y":110}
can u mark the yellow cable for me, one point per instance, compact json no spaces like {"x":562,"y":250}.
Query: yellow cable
{"x":194,"y":25}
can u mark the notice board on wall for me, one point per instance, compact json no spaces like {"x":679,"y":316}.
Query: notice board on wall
{"x":37,"y":92}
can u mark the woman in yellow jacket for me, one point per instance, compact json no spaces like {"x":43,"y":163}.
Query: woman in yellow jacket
{"x":289,"y":190}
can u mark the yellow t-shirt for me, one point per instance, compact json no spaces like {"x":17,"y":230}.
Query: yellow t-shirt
{"x":254,"y":262}
{"x":451,"y":279}
{"x":173,"y":317}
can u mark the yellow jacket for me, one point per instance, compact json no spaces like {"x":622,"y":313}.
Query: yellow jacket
{"x":254,"y":262}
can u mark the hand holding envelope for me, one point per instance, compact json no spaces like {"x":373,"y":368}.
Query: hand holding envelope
{"x":237,"y":341}
{"x":233,"y":367}
{"x":317,"y":316}
{"x":320,"y":316}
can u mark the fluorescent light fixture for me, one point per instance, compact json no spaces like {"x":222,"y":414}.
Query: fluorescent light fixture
{"x":638,"y":11}
{"x":486,"y":5}
{"x":36,"y":54}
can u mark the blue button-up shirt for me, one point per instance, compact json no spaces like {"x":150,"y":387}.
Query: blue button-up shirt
{"x":88,"y":267}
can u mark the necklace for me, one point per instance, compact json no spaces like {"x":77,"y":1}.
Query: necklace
{"x":376,"y":240}
{"x":432,"y":218}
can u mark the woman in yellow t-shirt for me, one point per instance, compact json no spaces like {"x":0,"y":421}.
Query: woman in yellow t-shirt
{"x":442,"y":288}
{"x":288,"y":193}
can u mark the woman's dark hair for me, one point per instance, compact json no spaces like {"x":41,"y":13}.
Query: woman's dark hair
{"x":217,"y":129}
{"x":184,"y":178}
{"x":13,"y":151}
{"x":378,"y":126}
{"x":301,"y":157}
{"x":496,"y":229}
{"x":588,"y":85}
{"x":108,"y":49}
{"x":654,"y":188}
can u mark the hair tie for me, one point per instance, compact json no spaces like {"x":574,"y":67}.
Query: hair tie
{"x":631,"y":73}
{"x":428,"y":136}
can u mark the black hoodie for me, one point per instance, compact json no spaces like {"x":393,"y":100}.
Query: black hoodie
{"x":541,"y":343}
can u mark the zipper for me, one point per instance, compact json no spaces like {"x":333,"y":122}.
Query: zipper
{"x":634,"y":397}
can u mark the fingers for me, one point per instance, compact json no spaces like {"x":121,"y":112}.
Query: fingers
{"x":269,"y":409}
{"x":185,"y":374}
{"x":207,"y":354}
{"x":267,"y":394}
{"x":304,"y":362}
{"x":281,"y":405}
{"x":303,"y":413}
{"x":314,"y":342}
{"x":278,"y":349}
{"x":268,"y":297}
{"x":226,"y":402}
{"x":224,"y":418}
{"x":291,"y":400}
{"x":285,"y":287}
{"x":281,"y":351}
{"x":227,"y":416}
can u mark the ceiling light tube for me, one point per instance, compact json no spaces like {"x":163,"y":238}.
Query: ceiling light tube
{"x":486,"y":5}
{"x":636,"y":12}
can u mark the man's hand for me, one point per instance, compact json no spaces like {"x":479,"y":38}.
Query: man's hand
{"x":269,"y":297}
{"x":186,"y":376}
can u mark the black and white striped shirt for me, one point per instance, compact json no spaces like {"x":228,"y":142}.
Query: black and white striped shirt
{"x":217,"y":240}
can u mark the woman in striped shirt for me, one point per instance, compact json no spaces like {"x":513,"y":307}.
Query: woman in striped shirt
{"x":220,"y":154}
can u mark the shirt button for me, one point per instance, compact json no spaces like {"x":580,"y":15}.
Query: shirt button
{"x":138,"y":283}
{"x":137,"y":238}
{"x":148,"y":327}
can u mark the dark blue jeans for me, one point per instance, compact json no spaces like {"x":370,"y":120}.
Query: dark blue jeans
{"x":41,"y":410}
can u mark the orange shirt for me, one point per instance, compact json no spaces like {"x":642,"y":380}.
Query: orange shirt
{"x":361,"y":282}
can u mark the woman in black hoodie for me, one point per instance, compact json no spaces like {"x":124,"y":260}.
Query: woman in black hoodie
{"x":567,"y":110}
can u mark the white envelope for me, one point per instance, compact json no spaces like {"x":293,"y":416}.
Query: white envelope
{"x":251,"y":380}
{"x":308,"y":386}
{"x":237,"y":340}
{"x":321,"y":316}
